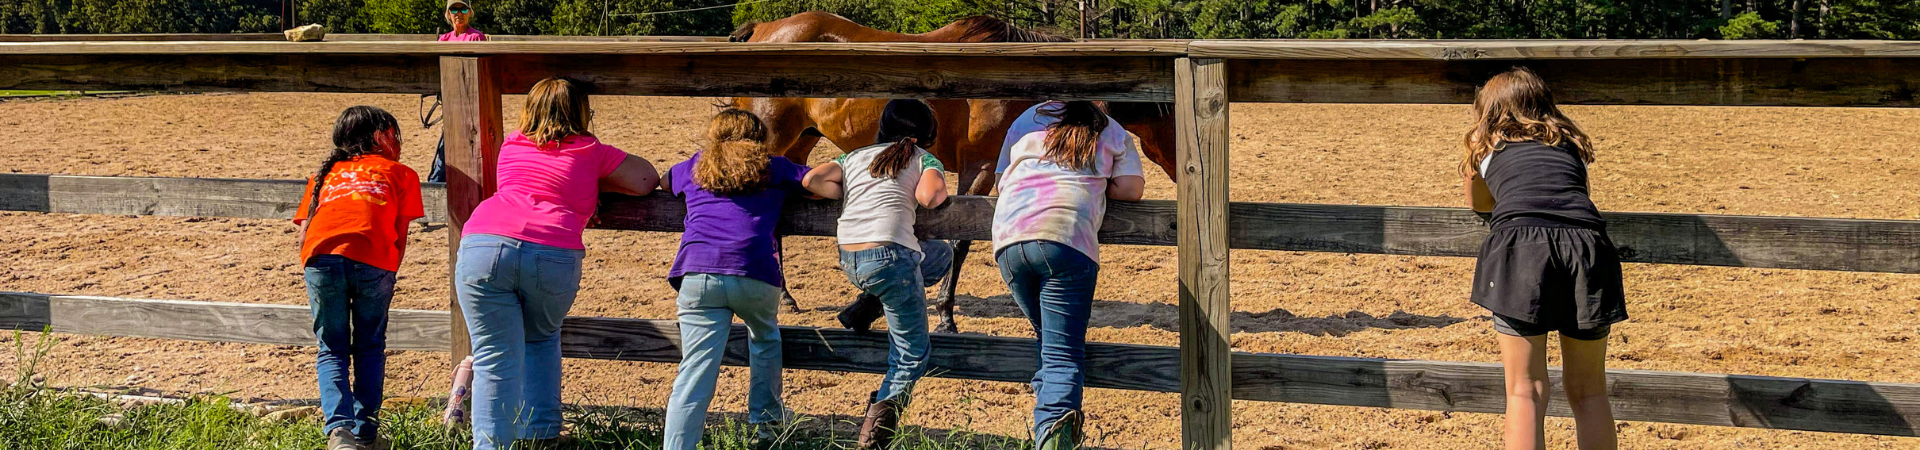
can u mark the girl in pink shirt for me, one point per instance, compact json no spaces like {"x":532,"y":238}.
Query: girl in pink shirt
{"x":518,"y":267}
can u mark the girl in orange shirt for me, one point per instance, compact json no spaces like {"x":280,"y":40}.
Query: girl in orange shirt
{"x":353,"y":222}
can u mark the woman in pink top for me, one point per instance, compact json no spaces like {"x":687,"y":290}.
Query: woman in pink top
{"x":519,"y":261}
{"x":461,"y":17}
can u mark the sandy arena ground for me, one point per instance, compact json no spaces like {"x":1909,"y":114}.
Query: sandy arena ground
{"x":1770,"y":161}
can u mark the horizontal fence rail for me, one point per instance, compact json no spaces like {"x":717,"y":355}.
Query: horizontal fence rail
{"x":1698,"y":239}
{"x":1745,"y":73}
{"x":1637,"y":395}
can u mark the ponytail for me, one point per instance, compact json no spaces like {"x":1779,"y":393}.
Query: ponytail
{"x":735,"y":161}
{"x":1074,"y":139}
{"x":905,"y":123}
{"x":355,"y":133}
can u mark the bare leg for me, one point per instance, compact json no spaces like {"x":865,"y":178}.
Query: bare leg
{"x":1525,"y":360}
{"x":1585,"y":378}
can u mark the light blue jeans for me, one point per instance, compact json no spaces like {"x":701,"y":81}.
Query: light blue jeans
{"x":514,"y":295}
{"x":708,"y":303}
{"x":899,"y":277}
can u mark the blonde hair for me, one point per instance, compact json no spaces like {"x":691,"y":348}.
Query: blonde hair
{"x":556,"y":108}
{"x":1074,"y":140}
{"x":1516,"y":106}
{"x":735,"y":161}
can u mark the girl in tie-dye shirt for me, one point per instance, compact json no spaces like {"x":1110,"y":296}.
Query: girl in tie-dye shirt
{"x":1059,"y":165}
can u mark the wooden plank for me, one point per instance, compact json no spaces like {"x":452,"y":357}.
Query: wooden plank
{"x":473,"y":136}
{"x":1840,"y":406}
{"x":394,"y":73}
{"x":336,"y":37}
{"x":1853,"y":245}
{"x":191,"y":197}
{"x":1206,"y":300}
{"x":25,"y":311}
{"x":558,"y":47}
{"x":1543,"y":49}
{"x":892,"y":76}
{"x":1719,"y":82}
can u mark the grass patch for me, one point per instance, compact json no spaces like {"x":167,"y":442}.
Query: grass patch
{"x":34,"y":416}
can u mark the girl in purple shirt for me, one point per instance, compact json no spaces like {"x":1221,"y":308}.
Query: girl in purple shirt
{"x":727,"y":266}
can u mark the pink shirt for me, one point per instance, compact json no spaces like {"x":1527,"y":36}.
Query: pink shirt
{"x":548,"y":192}
{"x":471,"y":35}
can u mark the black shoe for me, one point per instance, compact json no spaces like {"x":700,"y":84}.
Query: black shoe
{"x":860,"y":315}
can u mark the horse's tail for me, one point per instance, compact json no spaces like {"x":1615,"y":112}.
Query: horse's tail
{"x":992,"y":29}
{"x":743,"y":33}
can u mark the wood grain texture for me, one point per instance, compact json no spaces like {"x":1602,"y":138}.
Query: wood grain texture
{"x":1853,"y":245}
{"x":890,"y":76}
{"x":575,"y":47}
{"x":1719,"y":82}
{"x":393,"y":73}
{"x":1543,"y":49}
{"x":1673,"y":397}
{"x":1206,"y":299}
{"x":25,"y":311}
{"x":471,"y":90}
{"x":335,"y":37}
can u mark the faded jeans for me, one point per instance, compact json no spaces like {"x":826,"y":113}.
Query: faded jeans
{"x":899,"y":277}
{"x":708,"y":303}
{"x":514,"y":295}
{"x":349,"y":300}
{"x":1053,"y":284}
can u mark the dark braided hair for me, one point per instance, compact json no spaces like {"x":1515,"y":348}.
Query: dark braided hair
{"x":907,"y":124}
{"x":354,"y":134}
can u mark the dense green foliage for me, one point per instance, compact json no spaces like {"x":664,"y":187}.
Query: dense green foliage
{"x":1216,"y":19}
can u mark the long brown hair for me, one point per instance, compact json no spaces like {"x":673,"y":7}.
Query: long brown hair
{"x":735,"y":161}
{"x":556,"y":108}
{"x":909,"y":125}
{"x":1516,"y":106}
{"x":1073,"y":141}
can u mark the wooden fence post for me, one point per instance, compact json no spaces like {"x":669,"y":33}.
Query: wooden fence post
{"x":1206,"y":370}
{"x":470,"y":89}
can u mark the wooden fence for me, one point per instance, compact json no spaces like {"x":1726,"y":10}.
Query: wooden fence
{"x":1199,"y":78}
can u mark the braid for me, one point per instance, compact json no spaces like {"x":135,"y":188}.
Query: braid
{"x":354,"y":134}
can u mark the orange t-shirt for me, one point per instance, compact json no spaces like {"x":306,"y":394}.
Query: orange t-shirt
{"x":364,"y":211}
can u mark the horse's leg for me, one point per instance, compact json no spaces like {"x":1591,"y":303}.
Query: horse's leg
{"x":787,"y":123}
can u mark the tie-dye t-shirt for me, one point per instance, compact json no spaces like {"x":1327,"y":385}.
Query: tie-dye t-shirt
{"x":1040,"y":200}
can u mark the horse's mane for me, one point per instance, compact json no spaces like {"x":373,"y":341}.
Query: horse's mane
{"x":743,"y":32}
{"x":991,"y":29}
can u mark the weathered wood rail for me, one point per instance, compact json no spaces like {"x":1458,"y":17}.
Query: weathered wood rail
{"x":1652,"y":396}
{"x":1663,"y":238}
{"x":1198,"y":79}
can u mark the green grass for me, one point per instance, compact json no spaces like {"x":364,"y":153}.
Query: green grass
{"x":34,"y":416}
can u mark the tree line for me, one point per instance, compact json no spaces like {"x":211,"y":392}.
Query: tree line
{"x":1135,"y":19}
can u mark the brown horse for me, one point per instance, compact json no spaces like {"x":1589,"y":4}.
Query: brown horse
{"x":971,"y":131}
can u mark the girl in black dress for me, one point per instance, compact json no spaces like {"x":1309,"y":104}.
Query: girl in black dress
{"x":1548,"y":265}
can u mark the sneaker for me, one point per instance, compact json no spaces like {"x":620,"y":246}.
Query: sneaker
{"x":883,"y":419}
{"x":377,"y":443}
{"x":342,"y":439}
{"x":860,"y":315}
{"x":1065,"y":434}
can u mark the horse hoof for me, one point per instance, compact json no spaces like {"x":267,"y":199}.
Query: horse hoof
{"x":947,"y":326}
{"x":790,"y":303}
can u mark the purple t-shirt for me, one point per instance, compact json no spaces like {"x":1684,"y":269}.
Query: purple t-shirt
{"x":732,"y":235}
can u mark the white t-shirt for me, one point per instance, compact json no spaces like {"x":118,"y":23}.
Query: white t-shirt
{"x":881,"y":209}
{"x":1040,"y":200}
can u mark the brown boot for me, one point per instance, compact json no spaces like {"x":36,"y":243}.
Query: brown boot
{"x":883,"y":419}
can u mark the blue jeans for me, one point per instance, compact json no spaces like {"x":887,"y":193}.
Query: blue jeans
{"x":349,"y":300}
{"x":708,"y":303}
{"x":514,"y":295}
{"x":899,"y":277}
{"x":1053,"y":284}
{"x":438,"y":172}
